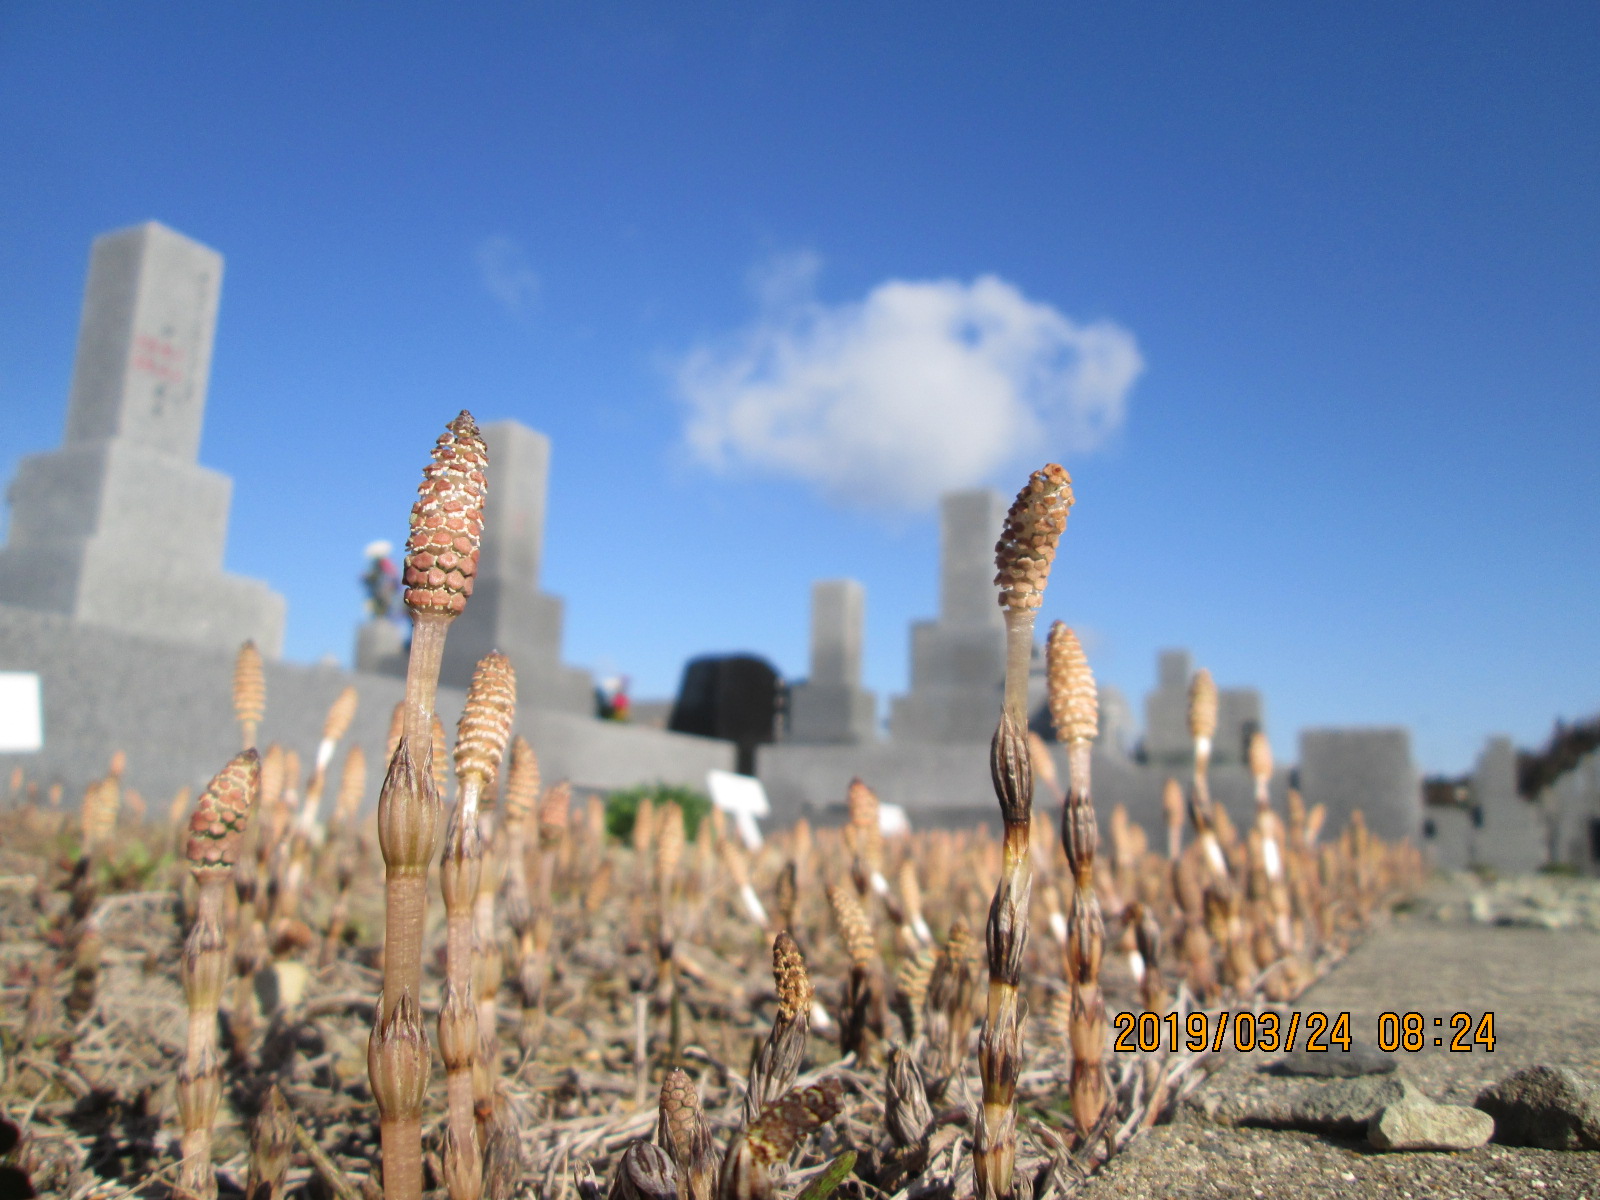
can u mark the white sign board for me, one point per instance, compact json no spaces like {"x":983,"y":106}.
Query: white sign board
{"x":743,"y":798}
{"x":21,"y":713}
{"x":892,"y":820}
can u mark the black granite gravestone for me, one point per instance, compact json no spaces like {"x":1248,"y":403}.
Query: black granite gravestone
{"x":729,"y":696}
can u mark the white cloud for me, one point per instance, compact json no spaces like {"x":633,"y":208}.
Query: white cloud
{"x":503,"y":268}
{"x":921,"y":387}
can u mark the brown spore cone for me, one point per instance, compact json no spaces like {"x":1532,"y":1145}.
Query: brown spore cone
{"x":1074,"y":700}
{"x":447,"y":522}
{"x":521,"y":791}
{"x":249,"y":685}
{"x":220,"y":818}
{"x":1202,"y":705}
{"x":793,"y":981}
{"x":486,"y":719}
{"x":1027,"y":544}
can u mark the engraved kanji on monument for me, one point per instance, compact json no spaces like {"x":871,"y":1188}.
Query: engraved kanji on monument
{"x":121,"y":527}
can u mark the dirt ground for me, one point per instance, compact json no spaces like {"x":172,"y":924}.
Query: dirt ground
{"x":1543,"y":987}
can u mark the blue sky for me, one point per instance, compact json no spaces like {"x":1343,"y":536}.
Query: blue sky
{"x":1305,"y":298}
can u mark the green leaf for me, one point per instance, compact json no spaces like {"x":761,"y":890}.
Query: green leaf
{"x":824,"y":1185}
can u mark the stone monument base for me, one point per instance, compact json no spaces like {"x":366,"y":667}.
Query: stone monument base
{"x":837,"y":712}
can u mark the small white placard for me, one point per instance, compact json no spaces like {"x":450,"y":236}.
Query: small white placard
{"x":892,"y":820}
{"x":21,"y":713}
{"x":743,"y":797}
{"x":737,"y":793}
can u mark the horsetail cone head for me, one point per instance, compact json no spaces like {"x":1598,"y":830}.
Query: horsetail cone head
{"x":219,"y":819}
{"x":862,"y":804}
{"x":855,"y":928}
{"x":249,"y":685}
{"x":352,"y":785}
{"x":1202,"y":705}
{"x":670,"y":841}
{"x":274,"y":772}
{"x":340,"y":713}
{"x":1074,"y":702}
{"x":555,"y":810}
{"x":486,"y":720}
{"x":789,"y":972}
{"x":681,"y":1127}
{"x":777,"y":1131}
{"x":521,"y":791}
{"x":1027,"y":544}
{"x":447,"y":523}
{"x":1260,"y":756}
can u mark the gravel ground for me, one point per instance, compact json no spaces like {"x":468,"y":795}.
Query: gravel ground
{"x":1542,"y":985}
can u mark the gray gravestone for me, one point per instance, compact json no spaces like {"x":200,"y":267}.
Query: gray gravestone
{"x":121,"y":527}
{"x":1369,"y":769}
{"x":381,"y":647}
{"x":1575,"y":800}
{"x":1166,"y":712}
{"x":1117,"y":728}
{"x":958,"y":662}
{"x":831,"y":706}
{"x":507,"y":611}
{"x":1448,"y":835}
{"x":1510,"y":834}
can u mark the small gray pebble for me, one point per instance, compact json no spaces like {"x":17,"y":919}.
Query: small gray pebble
{"x":1417,"y":1123}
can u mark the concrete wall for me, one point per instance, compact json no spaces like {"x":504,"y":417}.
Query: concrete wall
{"x":948,"y":784}
{"x":169,"y":708}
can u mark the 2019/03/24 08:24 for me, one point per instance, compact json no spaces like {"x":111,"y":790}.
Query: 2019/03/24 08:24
{"x":1271,"y":1032}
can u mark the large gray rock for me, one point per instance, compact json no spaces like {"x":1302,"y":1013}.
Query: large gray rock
{"x":1339,"y":1106}
{"x":1553,"y":1108}
{"x":1418,"y":1123}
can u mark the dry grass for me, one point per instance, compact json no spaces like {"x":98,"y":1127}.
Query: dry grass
{"x":786,"y":1022}
{"x":94,"y":1092}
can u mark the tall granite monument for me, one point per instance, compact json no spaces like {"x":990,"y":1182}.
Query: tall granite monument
{"x":121,"y":527}
{"x":831,"y":706}
{"x":958,"y":662}
{"x":1370,"y":769}
{"x":1510,"y":833}
{"x":119,"y":626}
{"x":508,"y":612}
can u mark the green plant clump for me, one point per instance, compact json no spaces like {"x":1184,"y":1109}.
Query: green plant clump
{"x":622,"y":806}
{"x":1561,"y":870}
